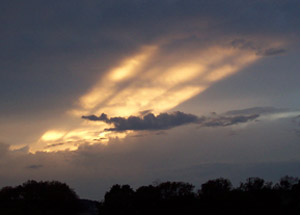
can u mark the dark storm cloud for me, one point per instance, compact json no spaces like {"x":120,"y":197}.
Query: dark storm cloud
{"x":167,"y":121}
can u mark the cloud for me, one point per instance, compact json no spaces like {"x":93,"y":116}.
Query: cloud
{"x":103,"y":128}
{"x":271,"y":51}
{"x":47,"y":49}
{"x":53,"y":145}
{"x":35,"y":166}
{"x":121,"y":78}
{"x":147,"y":122}
{"x":256,"y":110}
{"x":4,"y":148}
{"x":166,"y":121}
{"x":173,"y":156}
{"x":267,"y":113}
{"x":259,"y":48}
{"x":297,"y":120}
{"x":228,"y":120}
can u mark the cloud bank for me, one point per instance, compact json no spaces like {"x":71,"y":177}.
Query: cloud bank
{"x":168,"y":120}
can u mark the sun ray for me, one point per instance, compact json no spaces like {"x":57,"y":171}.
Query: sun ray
{"x":151,"y":84}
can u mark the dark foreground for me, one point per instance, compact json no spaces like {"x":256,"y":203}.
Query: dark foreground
{"x":254,"y":196}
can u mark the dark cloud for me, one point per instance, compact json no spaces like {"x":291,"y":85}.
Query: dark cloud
{"x":35,"y":166}
{"x":24,"y":149}
{"x":53,"y":145}
{"x":163,"y":121}
{"x":271,"y":52}
{"x":147,"y":122}
{"x":168,"y":120}
{"x":257,"y":47}
{"x":256,"y":110}
{"x":145,"y":112}
{"x":216,"y":121}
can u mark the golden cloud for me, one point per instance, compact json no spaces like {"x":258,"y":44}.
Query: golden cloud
{"x":148,"y":80}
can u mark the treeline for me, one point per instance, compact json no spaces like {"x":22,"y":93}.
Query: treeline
{"x":253,"y":196}
{"x":36,"y":198}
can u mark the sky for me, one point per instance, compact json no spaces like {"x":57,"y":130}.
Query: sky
{"x":95,"y":93}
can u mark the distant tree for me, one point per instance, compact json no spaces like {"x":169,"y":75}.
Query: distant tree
{"x":176,"y":198}
{"x":170,"y":190}
{"x":147,"y":195}
{"x":255,"y":184}
{"x":216,"y":187}
{"x":214,"y":195}
{"x":38,"y":198}
{"x":147,"y":200}
{"x":287,"y":182}
{"x":258,"y":196}
{"x":254,"y":196}
{"x":119,"y":200}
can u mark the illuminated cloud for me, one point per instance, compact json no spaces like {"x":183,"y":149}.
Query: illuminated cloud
{"x":157,"y":79}
{"x":52,"y":135}
{"x":154,"y":78}
{"x":161,"y":74}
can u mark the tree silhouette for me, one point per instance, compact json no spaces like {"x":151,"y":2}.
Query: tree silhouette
{"x":38,"y":198}
{"x":170,"y":190}
{"x":147,"y":200}
{"x":216,"y":187}
{"x":119,"y":200}
{"x":254,"y":196}
{"x":287,"y":182}
{"x":253,"y":184}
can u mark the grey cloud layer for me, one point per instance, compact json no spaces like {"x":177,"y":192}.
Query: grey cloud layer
{"x":259,"y":49}
{"x":167,"y":121}
{"x":53,"y":42}
{"x":256,"y":110}
{"x":216,"y":120}
{"x":147,"y":122}
{"x":183,"y":153}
